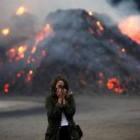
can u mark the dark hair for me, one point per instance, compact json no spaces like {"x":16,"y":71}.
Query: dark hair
{"x":55,"y":80}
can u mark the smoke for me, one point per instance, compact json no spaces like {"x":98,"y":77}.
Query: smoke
{"x":120,"y":2}
{"x":37,"y":7}
{"x":41,"y":8}
{"x":126,"y":8}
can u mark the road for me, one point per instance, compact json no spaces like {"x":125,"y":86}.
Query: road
{"x":101,"y":118}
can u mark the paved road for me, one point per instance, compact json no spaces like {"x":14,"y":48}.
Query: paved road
{"x":101,"y":118}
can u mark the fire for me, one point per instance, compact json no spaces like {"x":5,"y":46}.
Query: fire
{"x":100,"y":26}
{"x":21,"y":11}
{"x":5,"y":31}
{"x":6,"y":88}
{"x":47,"y":28}
{"x":41,"y":36}
{"x":90,"y":13}
{"x":16,"y":53}
{"x":110,"y":85}
{"x":114,"y":84}
{"x":123,"y":50}
{"x":31,"y":72}
{"x":33,"y":50}
{"x":21,"y":51}
{"x":131,"y":28}
{"x":18,"y":75}
{"x":26,"y":52}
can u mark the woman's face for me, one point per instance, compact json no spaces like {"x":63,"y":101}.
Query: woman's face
{"x":59,"y":84}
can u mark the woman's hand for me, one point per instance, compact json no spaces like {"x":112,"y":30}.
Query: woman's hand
{"x":64,"y":93}
{"x":59,"y":95}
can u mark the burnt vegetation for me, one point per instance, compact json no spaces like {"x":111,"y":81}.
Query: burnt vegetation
{"x":95,"y":57}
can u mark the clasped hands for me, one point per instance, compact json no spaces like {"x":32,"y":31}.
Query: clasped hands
{"x":61,"y":94}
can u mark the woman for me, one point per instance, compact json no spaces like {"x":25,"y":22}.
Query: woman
{"x":60,"y":106}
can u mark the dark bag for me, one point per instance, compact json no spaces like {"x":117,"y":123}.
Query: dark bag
{"x":79,"y":131}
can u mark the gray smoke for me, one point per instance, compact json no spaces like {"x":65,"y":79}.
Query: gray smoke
{"x":41,"y":8}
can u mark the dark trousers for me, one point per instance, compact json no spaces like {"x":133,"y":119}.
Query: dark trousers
{"x":64,"y":133}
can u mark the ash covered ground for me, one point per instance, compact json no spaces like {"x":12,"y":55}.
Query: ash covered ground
{"x":101,"y":118}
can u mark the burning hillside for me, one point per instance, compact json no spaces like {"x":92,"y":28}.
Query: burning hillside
{"x":76,"y":43}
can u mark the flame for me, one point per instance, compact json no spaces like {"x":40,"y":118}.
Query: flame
{"x":11,"y":54}
{"x":114,"y":84}
{"x":33,"y":50}
{"x":21,"y":51}
{"x":131,"y":28}
{"x":123,"y":50}
{"x":6,"y":88}
{"x":18,"y":75}
{"x":47,"y":28}
{"x":90,"y":13}
{"x":100,"y":26}
{"x":5,"y":31}
{"x":31,"y":72}
{"x":16,"y":53}
{"x":41,"y":36}
{"x":110,"y":85}
{"x":21,"y":11}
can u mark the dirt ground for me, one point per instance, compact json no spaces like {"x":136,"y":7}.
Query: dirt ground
{"x":101,"y":118}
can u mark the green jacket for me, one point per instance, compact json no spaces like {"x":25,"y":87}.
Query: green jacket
{"x":54,"y":110}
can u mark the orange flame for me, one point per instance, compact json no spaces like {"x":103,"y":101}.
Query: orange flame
{"x":114,"y":84}
{"x":6,"y":88}
{"x":21,"y":11}
{"x":16,"y":53}
{"x":131,"y":28}
{"x":47,"y":28}
{"x":21,"y":51}
{"x":31,"y":72}
{"x":5,"y":31}
{"x":41,"y":36}
{"x":100,"y":26}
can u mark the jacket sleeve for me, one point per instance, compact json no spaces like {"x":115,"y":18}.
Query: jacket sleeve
{"x":69,"y":107}
{"x":53,"y":111}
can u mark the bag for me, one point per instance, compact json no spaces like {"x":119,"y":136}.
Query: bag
{"x":79,"y":131}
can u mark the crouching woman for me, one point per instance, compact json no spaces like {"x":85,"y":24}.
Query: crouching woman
{"x":60,"y":106}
